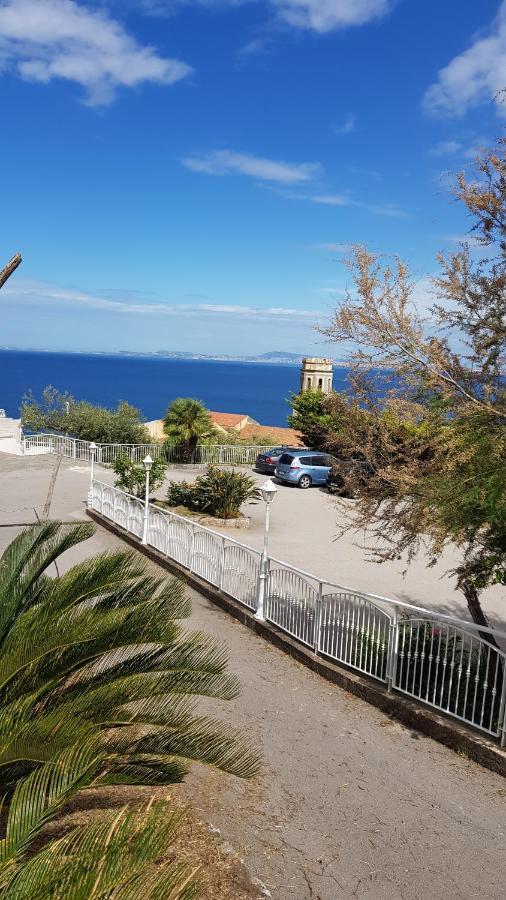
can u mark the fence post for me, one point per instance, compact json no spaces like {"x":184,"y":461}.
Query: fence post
{"x":318,"y":618}
{"x":393,"y":645}
{"x":222,"y":565}
{"x":192,"y":546}
{"x":501,"y":723}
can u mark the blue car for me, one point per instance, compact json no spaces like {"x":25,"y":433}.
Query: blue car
{"x":304,"y":467}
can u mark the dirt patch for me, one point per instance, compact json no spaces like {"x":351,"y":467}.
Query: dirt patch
{"x":208,"y":521}
{"x":222,"y":874}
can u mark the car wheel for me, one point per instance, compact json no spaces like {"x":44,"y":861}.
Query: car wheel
{"x":304,"y":482}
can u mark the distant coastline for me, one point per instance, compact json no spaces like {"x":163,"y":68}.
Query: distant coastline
{"x":273,"y":358}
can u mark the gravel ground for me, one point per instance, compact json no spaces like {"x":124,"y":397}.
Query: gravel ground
{"x":350,"y":803}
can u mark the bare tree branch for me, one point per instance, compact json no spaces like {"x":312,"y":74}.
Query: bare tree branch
{"x":11,"y":267}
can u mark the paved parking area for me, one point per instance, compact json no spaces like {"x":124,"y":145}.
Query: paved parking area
{"x":350,"y":803}
{"x":303,"y":532}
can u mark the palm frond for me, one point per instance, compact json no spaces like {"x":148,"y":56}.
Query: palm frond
{"x":112,"y":858}
{"x":100,"y":651}
{"x":39,"y":796}
{"x":25,"y":560}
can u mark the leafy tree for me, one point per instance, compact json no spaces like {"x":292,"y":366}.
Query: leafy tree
{"x":60,"y":413}
{"x":98,"y":654}
{"x":448,"y":484}
{"x":220,"y":492}
{"x":107,"y":858}
{"x":310,"y":416}
{"x":187,"y":422}
{"x":132,"y":476}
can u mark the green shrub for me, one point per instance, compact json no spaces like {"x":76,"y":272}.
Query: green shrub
{"x":61,"y":413}
{"x":219,"y":493}
{"x":132,"y":476}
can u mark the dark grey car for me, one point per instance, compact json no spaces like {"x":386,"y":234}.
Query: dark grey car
{"x":267,"y":461}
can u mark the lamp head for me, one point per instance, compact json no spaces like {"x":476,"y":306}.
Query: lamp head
{"x":148,"y":462}
{"x":268,"y":491}
{"x":93,"y":447}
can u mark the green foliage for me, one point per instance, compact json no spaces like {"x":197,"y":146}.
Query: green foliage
{"x":310,"y":416}
{"x":60,"y":413}
{"x":98,"y":654}
{"x":113,"y":856}
{"x":219,"y":493}
{"x":187,"y":422}
{"x":132,"y":476}
{"x":464,"y":495}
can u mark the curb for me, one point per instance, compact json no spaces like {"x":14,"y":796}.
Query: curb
{"x":443,"y":729}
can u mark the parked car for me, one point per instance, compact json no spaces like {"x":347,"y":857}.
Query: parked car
{"x":304,"y":467}
{"x":344,"y":469}
{"x":267,"y":461}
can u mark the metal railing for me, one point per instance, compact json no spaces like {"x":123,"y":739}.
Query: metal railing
{"x":106,"y":454}
{"x":437,"y":660}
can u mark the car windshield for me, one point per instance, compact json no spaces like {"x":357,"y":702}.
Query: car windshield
{"x":286,"y":459}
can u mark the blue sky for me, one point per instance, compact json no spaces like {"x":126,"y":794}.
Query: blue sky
{"x":184,"y":175}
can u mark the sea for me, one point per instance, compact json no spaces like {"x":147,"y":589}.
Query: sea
{"x":260,"y":390}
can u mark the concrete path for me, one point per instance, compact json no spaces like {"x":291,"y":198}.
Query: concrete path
{"x":350,"y":803}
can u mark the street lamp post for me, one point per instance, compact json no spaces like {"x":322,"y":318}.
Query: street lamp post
{"x":268,"y":491}
{"x":147,"y":462}
{"x":93,"y":449}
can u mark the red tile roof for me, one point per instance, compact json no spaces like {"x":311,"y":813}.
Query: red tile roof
{"x":227,"y":420}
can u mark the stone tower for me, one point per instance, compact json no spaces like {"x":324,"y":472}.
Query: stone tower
{"x":316,"y":374}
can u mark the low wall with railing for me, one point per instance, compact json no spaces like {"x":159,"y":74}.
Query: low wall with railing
{"x":106,"y":454}
{"x":434,"y":659}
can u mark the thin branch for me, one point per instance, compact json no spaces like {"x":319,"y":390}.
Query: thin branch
{"x":11,"y":267}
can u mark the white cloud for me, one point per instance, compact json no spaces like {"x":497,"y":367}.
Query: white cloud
{"x":474,"y":76}
{"x":333,"y":200}
{"x":446,"y":148}
{"x":227,"y":162}
{"x":47,"y":39}
{"x":390,"y":210}
{"x":35,"y":292}
{"x":314,"y":15}
{"x":328,"y":15}
{"x":347,"y":126}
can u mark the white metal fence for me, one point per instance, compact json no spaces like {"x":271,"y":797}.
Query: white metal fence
{"x":435,"y":659}
{"x":105,"y":454}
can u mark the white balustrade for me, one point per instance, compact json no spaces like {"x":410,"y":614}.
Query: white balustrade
{"x":437,"y":660}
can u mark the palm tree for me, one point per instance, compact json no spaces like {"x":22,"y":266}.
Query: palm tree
{"x":98,"y":653}
{"x":111,"y":858}
{"x":186,"y":422}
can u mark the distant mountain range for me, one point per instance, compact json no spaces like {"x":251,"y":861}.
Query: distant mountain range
{"x":274,"y":357}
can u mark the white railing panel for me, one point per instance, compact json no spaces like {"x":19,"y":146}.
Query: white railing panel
{"x":436,"y":660}
{"x":291,"y":603}
{"x":135,"y":516}
{"x":106,"y":454}
{"x":241,"y":568}
{"x":158,"y":531}
{"x":453,"y":671}
{"x":356,"y":632}
{"x":207,"y":555}
{"x":180,"y":541}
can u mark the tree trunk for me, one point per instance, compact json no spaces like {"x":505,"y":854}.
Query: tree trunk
{"x":11,"y":266}
{"x":474,"y":607}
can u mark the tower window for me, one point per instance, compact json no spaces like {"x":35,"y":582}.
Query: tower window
{"x":320,"y":384}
